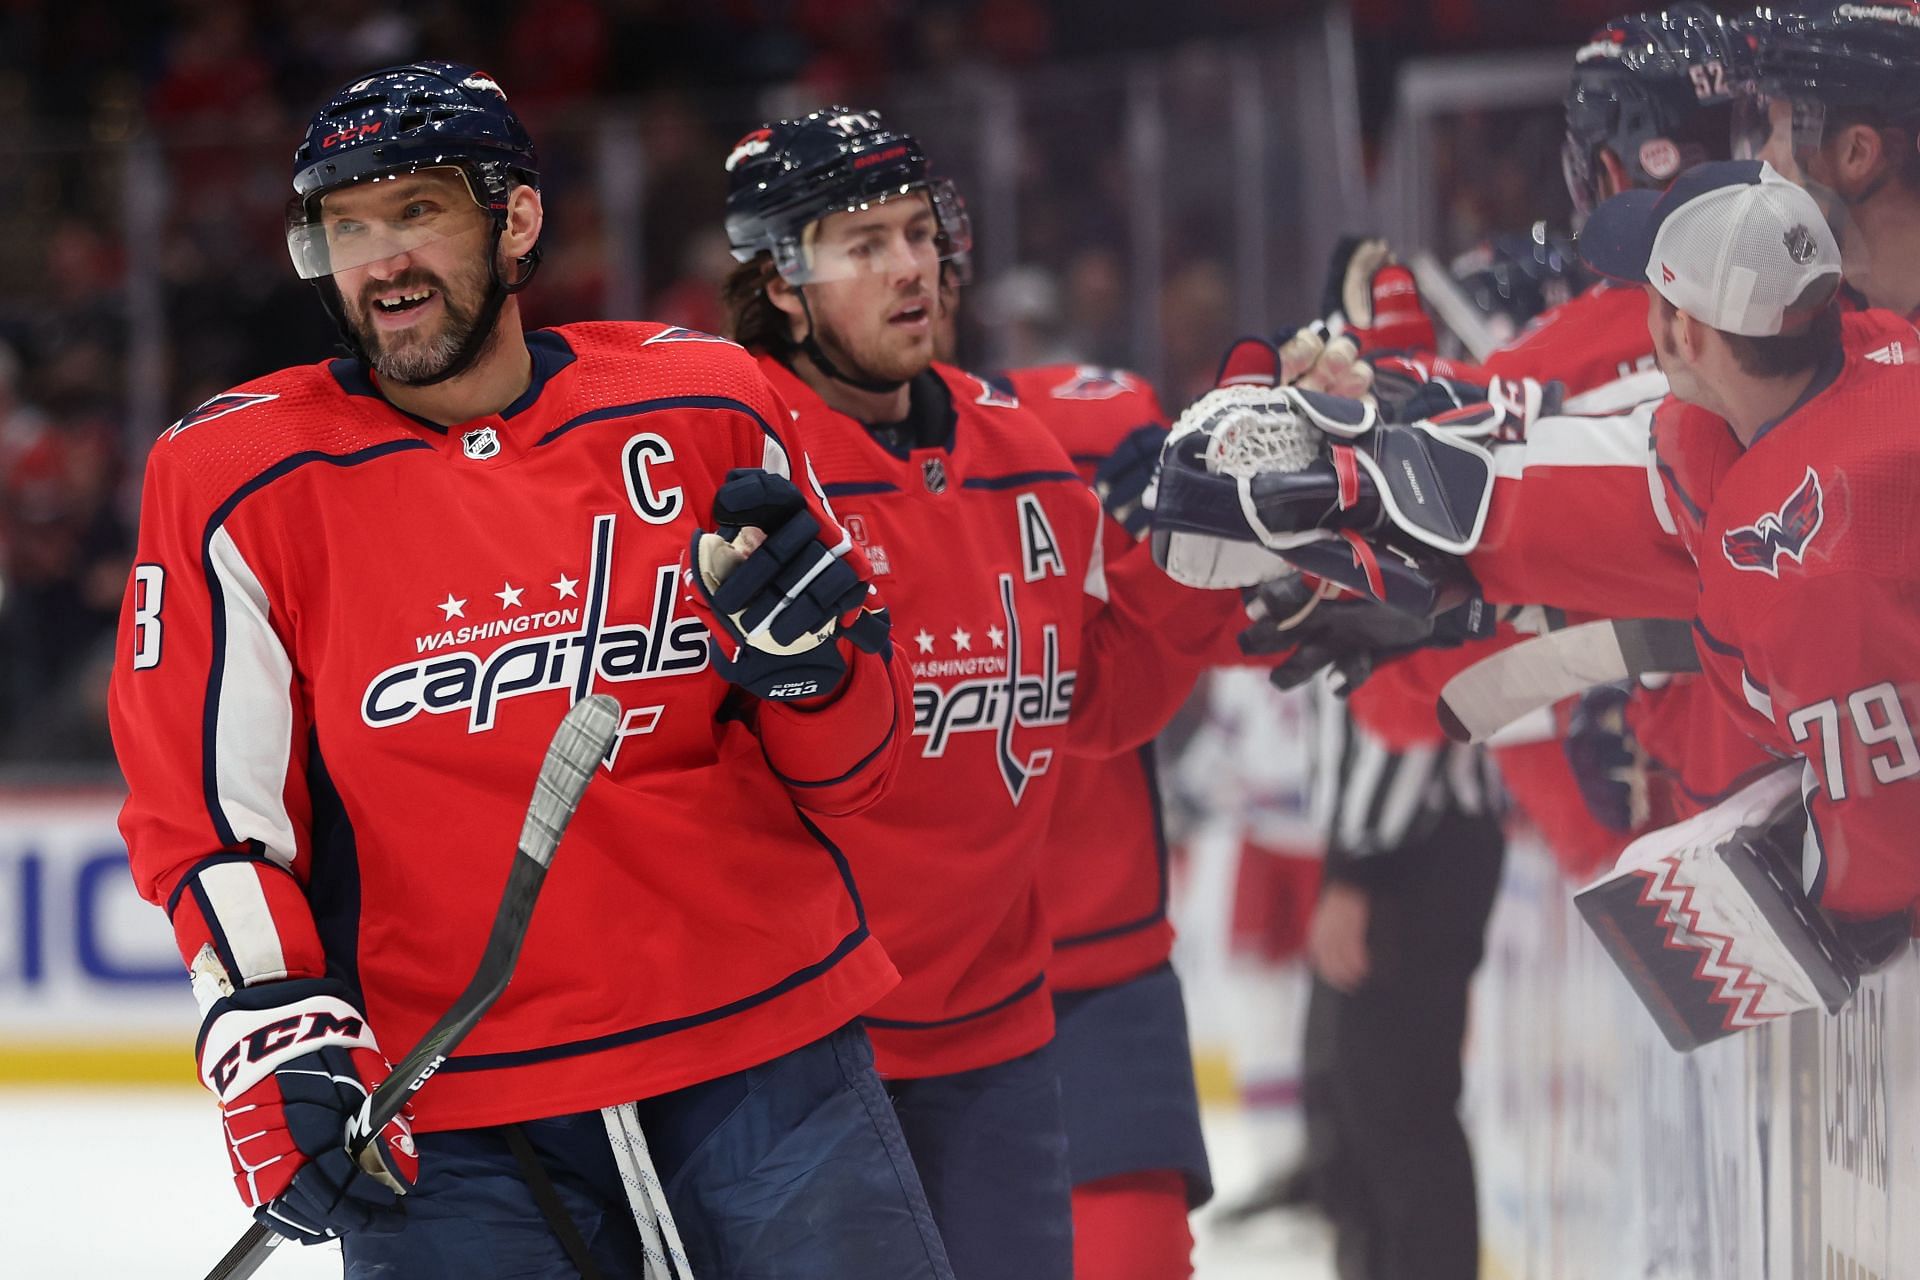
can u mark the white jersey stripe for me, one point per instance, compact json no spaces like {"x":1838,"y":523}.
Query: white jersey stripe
{"x":232,"y":891}
{"x":1096,"y":583}
{"x":253,"y":729}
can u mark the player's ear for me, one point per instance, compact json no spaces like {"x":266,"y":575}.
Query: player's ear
{"x":525,"y":217}
{"x":786,"y":298}
{"x":1858,"y":153}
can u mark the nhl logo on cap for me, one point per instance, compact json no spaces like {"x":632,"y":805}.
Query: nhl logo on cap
{"x":1800,"y":245}
{"x":480,"y":443}
{"x":934,"y":473}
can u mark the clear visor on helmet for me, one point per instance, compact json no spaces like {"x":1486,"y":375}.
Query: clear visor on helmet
{"x":1778,"y":128}
{"x":1576,"y":166}
{"x":382,"y":217}
{"x":906,"y":230}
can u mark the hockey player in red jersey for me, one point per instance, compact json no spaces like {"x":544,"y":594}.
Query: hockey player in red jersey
{"x":1784,"y":456}
{"x":366,"y":591}
{"x":1134,"y":1143}
{"x":1025,"y":644}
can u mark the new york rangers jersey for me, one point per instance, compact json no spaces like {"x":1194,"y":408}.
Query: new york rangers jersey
{"x":1023,"y":644}
{"x":346,"y":642}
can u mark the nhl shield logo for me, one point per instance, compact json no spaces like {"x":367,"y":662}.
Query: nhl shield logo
{"x":934,"y":473}
{"x":1800,"y":245}
{"x":480,"y":444}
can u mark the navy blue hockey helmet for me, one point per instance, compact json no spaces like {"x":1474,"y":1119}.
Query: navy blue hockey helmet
{"x":395,"y":121}
{"x":1857,"y":59}
{"x":1512,"y":278}
{"x":1657,"y":90}
{"x":788,"y":174}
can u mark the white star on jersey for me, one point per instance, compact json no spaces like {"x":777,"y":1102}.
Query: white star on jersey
{"x":453,"y":608}
{"x":509,"y":596}
{"x":566,"y":586}
{"x":998,"y":637}
{"x":962,"y":640}
{"x":925,"y":642}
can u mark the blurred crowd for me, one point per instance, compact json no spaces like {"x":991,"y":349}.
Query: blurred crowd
{"x":142,"y":269}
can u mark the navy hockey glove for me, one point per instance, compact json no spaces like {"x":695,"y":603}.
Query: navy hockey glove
{"x":1606,"y":760}
{"x":1124,"y":478}
{"x":292,"y":1063}
{"x":775,"y":586}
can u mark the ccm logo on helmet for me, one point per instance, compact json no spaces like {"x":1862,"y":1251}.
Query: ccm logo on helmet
{"x":351,"y":132}
{"x":275,"y":1036}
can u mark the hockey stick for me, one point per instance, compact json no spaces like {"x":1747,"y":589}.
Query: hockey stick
{"x":576,"y":750}
{"x":1496,"y":691}
{"x":1444,"y":294}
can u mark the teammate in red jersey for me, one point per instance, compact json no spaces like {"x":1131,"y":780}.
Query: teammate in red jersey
{"x":366,"y":590}
{"x":1024,"y":642}
{"x":1785,"y":456}
{"x":1134,"y":1143}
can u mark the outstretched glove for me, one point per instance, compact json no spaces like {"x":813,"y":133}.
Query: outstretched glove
{"x":775,"y":585}
{"x":292,"y":1064}
{"x":1377,"y":297}
{"x":1318,"y":626}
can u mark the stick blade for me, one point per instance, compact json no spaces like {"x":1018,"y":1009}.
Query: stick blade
{"x":579,"y":744}
{"x":1498,"y":690}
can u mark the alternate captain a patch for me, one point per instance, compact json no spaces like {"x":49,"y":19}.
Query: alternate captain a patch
{"x":1786,"y":532}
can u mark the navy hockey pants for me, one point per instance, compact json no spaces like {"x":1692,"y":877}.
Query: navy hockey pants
{"x":991,"y":1146}
{"x":792,"y":1170}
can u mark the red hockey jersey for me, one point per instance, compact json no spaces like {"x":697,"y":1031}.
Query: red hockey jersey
{"x":1808,"y":616}
{"x":347,"y":640}
{"x":1587,"y":341}
{"x":1105,"y":880}
{"x":1023,"y":646}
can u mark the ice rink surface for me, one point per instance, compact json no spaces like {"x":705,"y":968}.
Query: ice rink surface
{"x":133,"y":1185}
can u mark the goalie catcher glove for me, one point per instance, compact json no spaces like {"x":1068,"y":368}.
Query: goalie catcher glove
{"x":292,"y":1063}
{"x":1711,"y":926}
{"x":775,"y":585}
{"x":1284,"y":467}
{"x":1325,"y":628}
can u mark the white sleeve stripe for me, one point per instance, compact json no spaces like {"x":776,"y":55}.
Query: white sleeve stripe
{"x":773,"y":458}
{"x":253,"y":725}
{"x":1096,"y":583}
{"x":1579,"y":442}
{"x":233,"y":893}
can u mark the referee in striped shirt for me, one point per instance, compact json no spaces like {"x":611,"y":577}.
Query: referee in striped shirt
{"x":1414,"y":852}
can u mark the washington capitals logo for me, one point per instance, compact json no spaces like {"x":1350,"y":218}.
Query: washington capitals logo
{"x":1091,"y":382}
{"x":1788,"y":532}
{"x":998,"y":697}
{"x":218,"y":407}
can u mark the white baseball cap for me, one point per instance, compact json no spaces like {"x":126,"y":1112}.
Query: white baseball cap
{"x":1731,"y":243}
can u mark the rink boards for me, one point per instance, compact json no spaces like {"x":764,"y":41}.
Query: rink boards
{"x":1779,"y":1154}
{"x":1791,"y":1152}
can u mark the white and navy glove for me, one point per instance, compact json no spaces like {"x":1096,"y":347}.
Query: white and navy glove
{"x":776,"y":586}
{"x":293,"y":1063}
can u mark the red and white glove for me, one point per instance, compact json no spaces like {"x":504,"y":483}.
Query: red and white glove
{"x":1377,"y":297}
{"x":292,"y":1063}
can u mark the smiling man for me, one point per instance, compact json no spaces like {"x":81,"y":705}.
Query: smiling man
{"x":367,"y":590}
